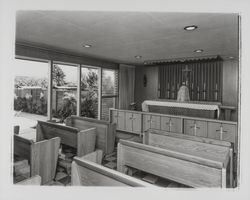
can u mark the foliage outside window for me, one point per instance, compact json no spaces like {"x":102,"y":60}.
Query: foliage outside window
{"x":31,"y":87}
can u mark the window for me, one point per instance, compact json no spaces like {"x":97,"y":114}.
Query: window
{"x":109,"y":91}
{"x":31,"y":87}
{"x":64,"y":91}
{"x":89,"y":92}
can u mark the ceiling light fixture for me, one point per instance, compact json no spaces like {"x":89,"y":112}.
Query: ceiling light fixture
{"x":198,"y":50}
{"x":190,"y":28}
{"x":138,"y":57}
{"x":87,"y":46}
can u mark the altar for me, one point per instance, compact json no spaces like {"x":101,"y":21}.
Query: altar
{"x":188,"y":108}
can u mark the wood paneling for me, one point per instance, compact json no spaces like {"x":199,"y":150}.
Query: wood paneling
{"x":126,"y":86}
{"x":29,"y":51}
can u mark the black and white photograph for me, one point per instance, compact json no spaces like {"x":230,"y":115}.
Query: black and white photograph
{"x":118,"y":98}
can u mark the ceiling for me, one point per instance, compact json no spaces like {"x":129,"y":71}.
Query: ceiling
{"x":120,"y":36}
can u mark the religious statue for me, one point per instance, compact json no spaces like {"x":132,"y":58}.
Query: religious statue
{"x":183,"y":93}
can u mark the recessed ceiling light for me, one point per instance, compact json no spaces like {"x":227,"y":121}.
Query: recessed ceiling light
{"x":190,"y":28}
{"x":87,"y":46}
{"x":231,"y":57}
{"x":198,"y":50}
{"x":138,"y":57}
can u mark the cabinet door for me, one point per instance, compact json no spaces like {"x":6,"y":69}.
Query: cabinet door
{"x":121,"y":120}
{"x":221,"y":131}
{"x":165,"y":123}
{"x":128,"y":121}
{"x":229,"y":132}
{"x":114,"y":116}
{"x":136,"y":123}
{"x":195,"y":127}
{"x":146,"y":122}
{"x":175,"y":125}
{"x":155,"y":122}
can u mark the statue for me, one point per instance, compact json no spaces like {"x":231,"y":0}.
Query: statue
{"x":183,"y":93}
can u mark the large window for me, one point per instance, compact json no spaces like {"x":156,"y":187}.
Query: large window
{"x":109,"y":92}
{"x":64,"y":92}
{"x":89,"y":92}
{"x":31,"y":87}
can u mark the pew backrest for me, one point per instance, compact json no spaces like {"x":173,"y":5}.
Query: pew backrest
{"x":105,"y":131}
{"x":188,"y":169}
{"x":84,"y":140}
{"x":42,"y":156}
{"x":149,"y":132}
{"x":88,"y":173}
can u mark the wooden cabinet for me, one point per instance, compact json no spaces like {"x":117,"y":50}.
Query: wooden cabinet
{"x":171,"y":124}
{"x":137,"y":122}
{"x":195,"y":127}
{"x":118,"y":117}
{"x":222,"y":131}
{"x":127,"y":121}
{"x":133,"y":122}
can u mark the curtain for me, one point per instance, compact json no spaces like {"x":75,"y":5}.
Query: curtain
{"x":126,"y":86}
{"x":203,"y":79}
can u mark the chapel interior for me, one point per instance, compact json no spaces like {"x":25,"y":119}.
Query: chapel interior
{"x":141,"y":99}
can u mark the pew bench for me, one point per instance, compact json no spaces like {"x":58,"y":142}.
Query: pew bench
{"x":173,"y":141}
{"x":87,"y":171}
{"x":175,"y":164}
{"x":42,"y":156}
{"x":105,"y":131}
{"x":83,"y":141}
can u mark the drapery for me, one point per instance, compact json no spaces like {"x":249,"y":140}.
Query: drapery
{"x":203,"y":79}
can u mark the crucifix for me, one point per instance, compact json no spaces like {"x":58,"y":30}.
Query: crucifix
{"x":186,"y":71}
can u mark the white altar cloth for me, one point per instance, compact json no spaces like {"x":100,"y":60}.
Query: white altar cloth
{"x":199,"y":105}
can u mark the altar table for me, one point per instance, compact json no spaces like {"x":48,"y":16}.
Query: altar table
{"x":188,"y":108}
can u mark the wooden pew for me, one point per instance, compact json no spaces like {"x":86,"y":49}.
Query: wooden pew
{"x":105,"y":131}
{"x":34,"y":180}
{"x":41,"y":155}
{"x":87,"y":171}
{"x":177,"y":164}
{"x":164,"y":139}
{"x":83,"y":140}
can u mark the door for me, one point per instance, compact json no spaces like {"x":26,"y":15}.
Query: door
{"x":195,"y":127}
{"x":136,"y":123}
{"x":128,"y":121}
{"x":155,"y":122}
{"x":146,"y":122}
{"x":175,"y":125}
{"x":221,"y":131}
{"x":121,"y":120}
